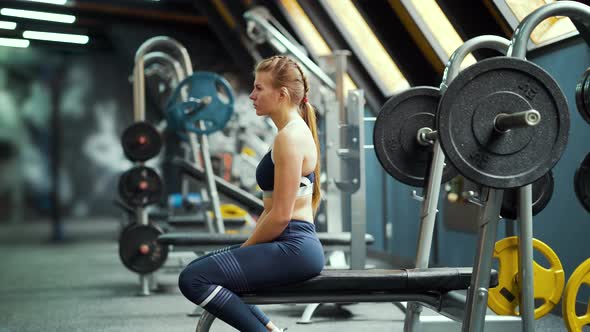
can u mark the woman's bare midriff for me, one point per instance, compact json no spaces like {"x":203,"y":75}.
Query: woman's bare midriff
{"x":301,"y":211}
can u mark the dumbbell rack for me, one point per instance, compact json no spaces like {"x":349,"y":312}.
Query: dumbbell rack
{"x":139,"y":248}
{"x":147,"y":279}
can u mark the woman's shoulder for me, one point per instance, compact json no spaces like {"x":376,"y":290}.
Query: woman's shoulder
{"x":296,"y":128}
{"x":287,"y":136}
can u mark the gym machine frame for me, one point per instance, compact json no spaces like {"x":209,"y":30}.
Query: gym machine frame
{"x":144,"y":53}
{"x":477,"y":296}
{"x":181,"y":74}
{"x":427,"y":136}
{"x":197,"y":142}
{"x":142,"y":56}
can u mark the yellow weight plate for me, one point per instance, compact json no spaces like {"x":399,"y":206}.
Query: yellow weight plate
{"x":248,"y":151}
{"x":231,"y":211}
{"x":548,"y":282}
{"x":573,"y":322}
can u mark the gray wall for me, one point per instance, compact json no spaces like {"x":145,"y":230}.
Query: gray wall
{"x":396,"y":208}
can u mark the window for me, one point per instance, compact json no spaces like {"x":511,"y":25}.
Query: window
{"x":550,"y":30}
{"x":366,"y":46}
{"x":436,"y":28}
{"x":311,"y":37}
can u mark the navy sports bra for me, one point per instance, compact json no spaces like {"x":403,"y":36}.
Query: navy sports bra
{"x":265,"y":176}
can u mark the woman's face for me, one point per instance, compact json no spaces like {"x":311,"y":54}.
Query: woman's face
{"x":264,"y":96}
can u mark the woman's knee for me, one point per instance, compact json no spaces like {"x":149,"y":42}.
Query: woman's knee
{"x":185,"y":282}
{"x":197,"y":278}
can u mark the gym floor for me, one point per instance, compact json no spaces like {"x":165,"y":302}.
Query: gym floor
{"x":82,"y":286}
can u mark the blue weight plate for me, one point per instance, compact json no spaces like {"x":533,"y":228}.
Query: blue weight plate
{"x":210,"y":101}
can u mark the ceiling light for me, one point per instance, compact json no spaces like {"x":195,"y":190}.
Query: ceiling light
{"x":11,"y":42}
{"x":53,"y":2}
{"x":57,"y":37}
{"x":62,"y":18}
{"x":7,"y":25}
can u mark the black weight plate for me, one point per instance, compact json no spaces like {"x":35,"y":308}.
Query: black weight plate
{"x":141,"y":142}
{"x":586,"y":96}
{"x":583,"y":96}
{"x":465,"y":122}
{"x":542,"y":193}
{"x":582,"y":183}
{"x":126,"y":228}
{"x":131,"y":242}
{"x":395,"y":135}
{"x":140,"y":186}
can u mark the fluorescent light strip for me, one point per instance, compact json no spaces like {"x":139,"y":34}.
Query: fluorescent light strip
{"x":57,"y":37}
{"x":11,"y":42}
{"x":34,"y":15}
{"x":7,"y":25}
{"x":53,"y":2}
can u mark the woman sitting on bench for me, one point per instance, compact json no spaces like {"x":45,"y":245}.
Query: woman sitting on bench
{"x":283,"y":247}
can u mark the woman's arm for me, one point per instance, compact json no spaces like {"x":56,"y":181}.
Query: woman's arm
{"x":261,"y":217}
{"x":288,"y":165}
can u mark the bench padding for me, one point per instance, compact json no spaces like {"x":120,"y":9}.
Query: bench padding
{"x":437,"y":280}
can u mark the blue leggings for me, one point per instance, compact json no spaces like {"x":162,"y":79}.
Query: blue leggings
{"x":212,"y":281}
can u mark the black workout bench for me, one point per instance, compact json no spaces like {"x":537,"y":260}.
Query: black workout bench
{"x":432,"y":287}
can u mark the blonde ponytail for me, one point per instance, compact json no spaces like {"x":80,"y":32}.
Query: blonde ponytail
{"x":308,"y":115}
